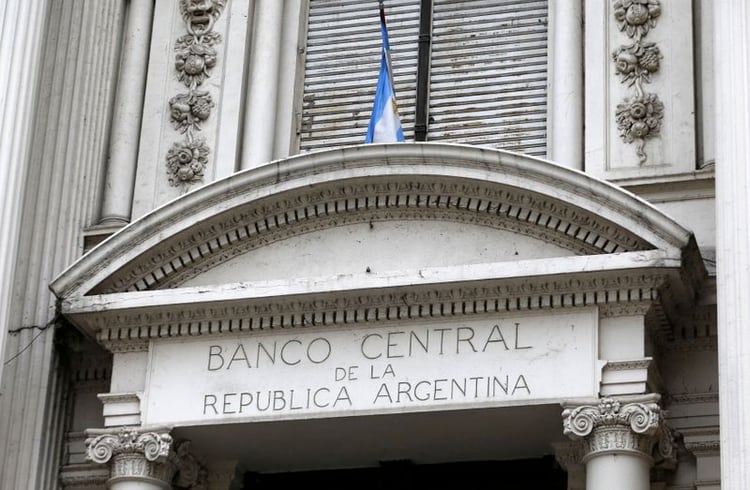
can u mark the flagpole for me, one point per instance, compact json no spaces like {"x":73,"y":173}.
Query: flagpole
{"x":386,"y":48}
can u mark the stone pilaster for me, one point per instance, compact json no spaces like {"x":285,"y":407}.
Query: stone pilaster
{"x":622,"y":440}
{"x":137,"y":459}
{"x":732,"y":71}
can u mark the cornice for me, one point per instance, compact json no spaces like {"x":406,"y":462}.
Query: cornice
{"x":127,"y":321}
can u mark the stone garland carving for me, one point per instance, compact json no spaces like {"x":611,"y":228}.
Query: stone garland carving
{"x":614,"y":426}
{"x":195,"y":58}
{"x":640,"y":117}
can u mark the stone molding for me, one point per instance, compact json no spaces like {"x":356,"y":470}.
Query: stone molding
{"x":702,"y":442}
{"x":117,"y":328}
{"x":635,"y":364}
{"x":685,"y":398}
{"x":625,"y":309}
{"x":616,"y":426}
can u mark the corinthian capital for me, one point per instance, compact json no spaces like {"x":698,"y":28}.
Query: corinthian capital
{"x":615,"y":426}
{"x":643,"y":418}
{"x":133,"y":454}
{"x":154,"y":446}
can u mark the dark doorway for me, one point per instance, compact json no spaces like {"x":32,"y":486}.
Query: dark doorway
{"x":542,"y":473}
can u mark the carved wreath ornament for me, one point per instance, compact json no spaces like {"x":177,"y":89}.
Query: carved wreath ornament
{"x":640,"y":117}
{"x":195,"y":58}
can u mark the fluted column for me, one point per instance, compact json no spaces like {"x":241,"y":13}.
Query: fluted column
{"x":138,"y":460}
{"x":620,"y":440}
{"x":126,"y":123}
{"x":732,"y":71}
{"x":20,"y":56}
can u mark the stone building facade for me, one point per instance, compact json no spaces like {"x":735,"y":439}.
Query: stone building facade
{"x":208,"y":281}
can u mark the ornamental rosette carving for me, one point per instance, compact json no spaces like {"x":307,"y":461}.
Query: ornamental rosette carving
{"x":186,"y":162}
{"x":188,"y":111}
{"x":636,"y":17}
{"x":153,"y":446}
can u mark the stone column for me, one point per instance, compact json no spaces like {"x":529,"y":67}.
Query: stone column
{"x":138,"y":460}
{"x":260,"y":108}
{"x":126,"y":123}
{"x":20,"y":56}
{"x":565,"y":119}
{"x":732,"y":71}
{"x":619,"y":441}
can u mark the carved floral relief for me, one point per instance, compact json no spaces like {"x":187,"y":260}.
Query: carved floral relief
{"x":195,"y":57}
{"x":186,"y":161}
{"x":636,"y":17}
{"x":639,"y":118}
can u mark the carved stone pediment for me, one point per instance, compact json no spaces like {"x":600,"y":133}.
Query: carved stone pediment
{"x":517,"y":233}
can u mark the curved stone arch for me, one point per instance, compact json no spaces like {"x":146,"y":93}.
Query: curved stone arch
{"x":395,"y":181}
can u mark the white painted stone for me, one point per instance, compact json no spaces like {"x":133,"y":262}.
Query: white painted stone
{"x":484,"y":362}
{"x":152,"y":188}
{"x":606,"y":154}
{"x":231,"y":91}
{"x":705,"y":82}
{"x":618,"y":472}
{"x":121,"y":409}
{"x":378,"y":247}
{"x":128,"y":371}
{"x":126,"y":121}
{"x":21,"y":41}
{"x":263,"y":84}
{"x":732,"y":57}
{"x":625,"y":377}
{"x":621,"y":338}
{"x":291,"y":78}
{"x":565,"y":93}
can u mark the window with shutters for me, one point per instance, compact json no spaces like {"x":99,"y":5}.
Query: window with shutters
{"x":487,"y":71}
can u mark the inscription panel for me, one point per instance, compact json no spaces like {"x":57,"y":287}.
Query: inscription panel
{"x":484,"y":361}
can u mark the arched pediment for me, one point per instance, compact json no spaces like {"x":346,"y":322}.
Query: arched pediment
{"x":400,"y":189}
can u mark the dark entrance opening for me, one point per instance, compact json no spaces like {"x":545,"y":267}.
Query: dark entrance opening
{"x":526,"y":473}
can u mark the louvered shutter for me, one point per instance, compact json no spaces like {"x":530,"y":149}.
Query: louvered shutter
{"x":342,"y":64}
{"x":489,"y":74}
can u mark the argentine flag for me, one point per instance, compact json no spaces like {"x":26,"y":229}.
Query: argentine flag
{"x":385,"y":125}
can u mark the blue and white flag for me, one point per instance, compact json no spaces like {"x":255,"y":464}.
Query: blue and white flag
{"x":385,"y":125}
